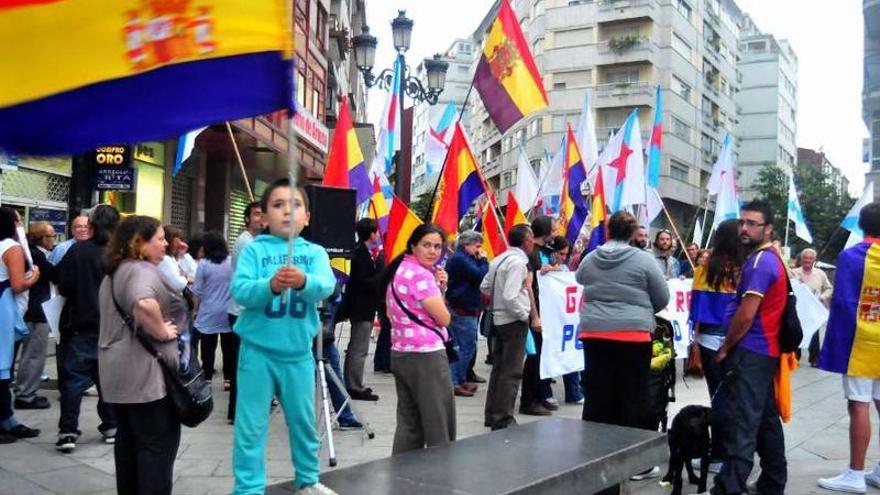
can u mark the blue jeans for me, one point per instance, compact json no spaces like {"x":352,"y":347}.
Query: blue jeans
{"x":572,"y":382}
{"x":78,"y":355}
{"x":331,"y":354}
{"x":464,"y":332}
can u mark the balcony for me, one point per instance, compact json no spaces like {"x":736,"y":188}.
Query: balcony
{"x":619,"y":10}
{"x":624,"y":94}
{"x":626,"y":49}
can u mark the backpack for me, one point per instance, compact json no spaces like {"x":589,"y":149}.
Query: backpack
{"x":790,"y":331}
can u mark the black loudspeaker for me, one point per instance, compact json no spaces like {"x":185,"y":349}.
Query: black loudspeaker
{"x":334,"y":213}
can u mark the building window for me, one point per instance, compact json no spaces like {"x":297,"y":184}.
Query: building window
{"x":572,"y":79}
{"x":506,"y":179}
{"x":683,"y":8}
{"x":573,"y":37}
{"x":301,"y":86}
{"x":678,"y":170}
{"x":622,"y":76}
{"x":756,"y":46}
{"x":681,"y":88}
{"x":681,"y":46}
{"x":321,"y":28}
{"x":538,"y":47}
{"x":681,"y":129}
{"x":535,"y":127}
{"x":521,"y":137}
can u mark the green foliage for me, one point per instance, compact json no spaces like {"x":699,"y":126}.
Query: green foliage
{"x":422,"y":207}
{"x":822,"y":203}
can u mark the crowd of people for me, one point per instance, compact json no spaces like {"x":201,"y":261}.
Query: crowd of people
{"x":131,"y":280}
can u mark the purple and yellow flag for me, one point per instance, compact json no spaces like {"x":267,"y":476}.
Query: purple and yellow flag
{"x":78,"y":74}
{"x":708,"y":306}
{"x":852,"y":340}
{"x":507,"y":78}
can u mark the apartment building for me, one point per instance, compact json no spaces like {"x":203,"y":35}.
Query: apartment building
{"x":818,"y":160}
{"x":767,"y":100}
{"x":620,"y":50}
{"x":871,"y":88}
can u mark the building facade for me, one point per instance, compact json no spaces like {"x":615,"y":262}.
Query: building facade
{"x":767,"y":100}
{"x":461,"y":58}
{"x":871,"y":88}
{"x":819,"y":161}
{"x":621,"y":50}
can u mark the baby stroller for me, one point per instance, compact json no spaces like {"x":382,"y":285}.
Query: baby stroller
{"x":661,"y":383}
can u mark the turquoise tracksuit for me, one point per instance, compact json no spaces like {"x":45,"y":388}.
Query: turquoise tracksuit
{"x":276,"y":358}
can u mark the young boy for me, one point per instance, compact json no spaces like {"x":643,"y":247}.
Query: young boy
{"x":277,"y":326}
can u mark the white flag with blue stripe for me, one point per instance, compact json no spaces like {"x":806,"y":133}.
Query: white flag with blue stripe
{"x":796,"y":213}
{"x":185,"y":145}
{"x":851,"y":220}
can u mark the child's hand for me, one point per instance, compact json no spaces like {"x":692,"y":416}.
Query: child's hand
{"x":287,"y":277}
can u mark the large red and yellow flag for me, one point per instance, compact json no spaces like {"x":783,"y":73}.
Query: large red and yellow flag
{"x":507,"y":78}
{"x":513,"y":215}
{"x":401,"y":224}
{"x":345,"y":165}
{"x":81,"y":74}
{"x":460,"y":185}
{"x":494,"y":241}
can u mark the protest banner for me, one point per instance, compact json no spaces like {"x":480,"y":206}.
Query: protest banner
{"x":560,"y":300}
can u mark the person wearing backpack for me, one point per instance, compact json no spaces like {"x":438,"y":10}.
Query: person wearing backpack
{"x":750,"y":358}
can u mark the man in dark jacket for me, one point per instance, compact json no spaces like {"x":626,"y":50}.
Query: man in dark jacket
{"x":41,"y":240}
{"x":79,"y":276}
{"x":466,"y":269}
{"x":362,"y":299}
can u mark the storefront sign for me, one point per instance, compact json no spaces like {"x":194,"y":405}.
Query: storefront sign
{"x":153,"y":153}
{"x":112,"y":156}
{"x":114,"y":179}
{"x":57,"y":218}
{"x":311,"y":130}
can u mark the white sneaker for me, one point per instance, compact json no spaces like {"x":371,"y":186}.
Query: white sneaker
{"x":714,"y":467}
{"x":316,"y":489}
{"x":645,"y":475}
{"x":873,"y":478}
{"x":848,"y":481}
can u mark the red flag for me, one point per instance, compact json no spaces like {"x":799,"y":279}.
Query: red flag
{"x":513,"y":215}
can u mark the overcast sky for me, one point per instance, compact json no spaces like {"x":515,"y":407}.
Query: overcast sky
{"x":827,"y":37}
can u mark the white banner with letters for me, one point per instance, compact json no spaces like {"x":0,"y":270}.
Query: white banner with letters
{"x":560,"y":302}
{"x":677,"y":312}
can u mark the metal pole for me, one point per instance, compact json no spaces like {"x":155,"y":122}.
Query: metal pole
{"x":788,"y":210}
{"x":674,"y":229}
{"x":291,"y":176}
{"x":400,"y":183}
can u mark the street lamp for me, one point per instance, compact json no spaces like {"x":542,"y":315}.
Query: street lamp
{"x":364,"y":46}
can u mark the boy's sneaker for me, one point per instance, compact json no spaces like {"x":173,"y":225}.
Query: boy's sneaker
{"x":848,"y":481}
{"x":644,"y":475}
{"x":316,"y":489}
{"x":66,"y":444}
{"x":873,"y":478}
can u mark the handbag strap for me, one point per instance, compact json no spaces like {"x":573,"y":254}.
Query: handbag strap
{"x":129,"y":322}
{"x":412,"y":316}
{"x":495,"y":279}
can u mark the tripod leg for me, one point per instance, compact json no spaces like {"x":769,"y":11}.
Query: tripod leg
{"x":325,"y":404}
{"x":329,"y":371}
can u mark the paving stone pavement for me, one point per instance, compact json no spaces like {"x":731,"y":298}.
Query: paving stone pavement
{"x":816,"y":440}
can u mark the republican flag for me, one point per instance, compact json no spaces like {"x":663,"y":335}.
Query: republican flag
{"x":378,"y":207}
{"x":598,"y":216}
{"x":345,"y":164}
{"x":572,"y":209}
{"x":401,"y":224}
{"x":526,"y":191}
{"x":854,"y":323}
{"x":460,"y":185}
{"x":495,"y":242}
{"x":623,"y":159}
{"x":796,"y":213}
{"x":727,"y":204}
{"x":185,"y":146}
{"x":437,"y":141}
{"x":81,"y":75}
{"x":507,"y":78}
{"x":851,"y":220}
{"x":513,"y":215}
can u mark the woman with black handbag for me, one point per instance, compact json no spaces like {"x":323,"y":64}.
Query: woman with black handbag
{"x":132,"y":379}
{"x":421,"y":348}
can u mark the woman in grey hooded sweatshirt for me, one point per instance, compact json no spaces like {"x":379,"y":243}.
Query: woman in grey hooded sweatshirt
{"x":623,"y":289}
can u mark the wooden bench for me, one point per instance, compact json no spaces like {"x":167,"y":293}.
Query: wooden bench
{"x":550,"y":456}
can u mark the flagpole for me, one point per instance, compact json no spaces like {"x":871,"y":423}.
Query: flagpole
{"x":674,"y":229}
{"x":247,"y":182}
{"x":788,"y":209}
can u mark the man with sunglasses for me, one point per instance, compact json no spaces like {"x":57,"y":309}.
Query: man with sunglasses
{"x":750,"y":359}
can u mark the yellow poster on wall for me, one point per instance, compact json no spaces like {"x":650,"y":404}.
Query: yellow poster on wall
{"x":150,"y":190}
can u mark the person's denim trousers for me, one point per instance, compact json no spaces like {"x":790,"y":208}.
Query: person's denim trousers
{"x":464,"y":332}
{"x":331,"y":354}
{"x":78,"y":353}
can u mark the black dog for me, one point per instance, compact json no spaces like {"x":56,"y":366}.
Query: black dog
{"x":689,"y":439}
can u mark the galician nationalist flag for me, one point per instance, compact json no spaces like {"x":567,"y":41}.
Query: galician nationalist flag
{"x":624,"y":160}
{"x":653,"y":202}
{"x":851,"y":220}
{"x":727,"y":204}
{"x":389,"y":125}
{"x":796,"y":213}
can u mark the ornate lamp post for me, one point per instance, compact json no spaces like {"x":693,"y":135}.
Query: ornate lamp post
{"x":365,"y":56}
